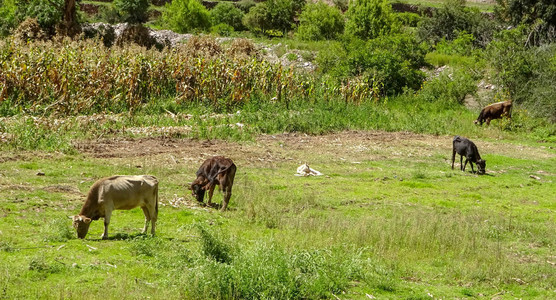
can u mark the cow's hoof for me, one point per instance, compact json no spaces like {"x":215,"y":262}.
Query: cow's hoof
{"x":104,"y":237}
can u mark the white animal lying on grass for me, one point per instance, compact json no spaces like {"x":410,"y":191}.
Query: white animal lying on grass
{"x":305,"y":170}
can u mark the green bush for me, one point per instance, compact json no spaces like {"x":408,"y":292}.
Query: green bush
{"x":276,"y":15}
{"x":539,"y":15}
{"x":256,"y":19}
{"x":245,"y":5}
{"x":186,"y":15}
{"x":526,"y":74}
{"x":369,"y":19}
{"x":132,"y":11}
{"x":450,"y":86}
{"x":389,"y":62}
{"x":320,"y":21}
{"x":462,"y":45}
{"x":408,"y":19}
{"x":222,"y":29}
{"x":454,"y":17}
{"x":47,"y":14}
{"x":229,"y":14}
{"x":8,"y":16}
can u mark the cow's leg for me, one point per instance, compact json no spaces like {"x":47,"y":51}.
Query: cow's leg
{"x":488,"y":121}
{"x":461,"y":163}
{"x":453,"y":158}
{"x":464,"y":165}
{"x":471,"y":164}
{"x":107,"y":216}
{"x":147,"y":218}
{"x":227,"y":196}
{"x":228,"y":182}
{"x":210,"y":192}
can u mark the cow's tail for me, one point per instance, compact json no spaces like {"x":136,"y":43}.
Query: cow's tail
{"x":156,"y":200}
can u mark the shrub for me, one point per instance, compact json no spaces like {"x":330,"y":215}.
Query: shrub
{"x":272,"y":15}
{"x":132,"y":11}
{"x":29,"y":30}
{"x":227,"y":13}
{"x":408,"y":19}
{"x":245,"y":5}
{"x":450,"y":86}
{"x":526,"y":74}
{"x":8,"y":16}
{"x":186,"y":15}
{"x":109,"y":14}
{"x":46,"y":14}
{"x":255,"y":19}
{"x":389,"y":62}
{"x":539,"y":15}
{"x":320,"y":21}
{"x":454,"y":17}
{"x":222,"y":29}
{"x":368,"y":19}
{"x":462,"y":45}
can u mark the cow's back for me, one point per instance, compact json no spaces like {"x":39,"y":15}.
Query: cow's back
{"x":127,"y":192}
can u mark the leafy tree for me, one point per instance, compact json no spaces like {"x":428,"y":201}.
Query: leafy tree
{"x":133,"y":11}
{"x":320,"y":21}
{"x":454,"y":17}
{"x":186,"y":15}
{"x":539,"y":15}
{"x":227,"y":13}
{"x":368,"y":19}
{"x":256,"y":19}
{"x":47,"y":12}
{"x":273,"y":15}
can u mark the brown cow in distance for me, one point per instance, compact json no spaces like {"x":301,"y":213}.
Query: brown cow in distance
{"x":217,"y":170}
{"x":494,"y":111}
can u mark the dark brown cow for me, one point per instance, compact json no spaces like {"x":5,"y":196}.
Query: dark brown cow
{"x":495,"y":111}
{"x":217,"y":170}
{"x":118,"y":192}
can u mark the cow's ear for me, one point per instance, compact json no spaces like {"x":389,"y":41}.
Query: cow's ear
{"x":87,"y":220}
{"x":189,"y":187}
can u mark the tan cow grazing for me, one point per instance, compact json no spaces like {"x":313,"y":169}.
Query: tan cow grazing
{"x":495,"y":111}
{"x":217,"y":170}
{"x":118,"y":192}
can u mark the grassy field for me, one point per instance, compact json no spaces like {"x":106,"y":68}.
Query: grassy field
{"x":389,"y":219}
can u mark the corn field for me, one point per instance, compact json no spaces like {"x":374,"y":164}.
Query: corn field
{"x":80,"y":77}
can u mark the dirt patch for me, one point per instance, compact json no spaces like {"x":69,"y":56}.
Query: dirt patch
{"x":270,"y":149}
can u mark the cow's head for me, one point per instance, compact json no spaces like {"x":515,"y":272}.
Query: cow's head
{"x":197,"y":190}
{"x":481,"y":164}
{"x":81,"y":225}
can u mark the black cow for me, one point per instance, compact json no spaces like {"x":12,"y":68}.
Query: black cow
{"x":467,"y":148}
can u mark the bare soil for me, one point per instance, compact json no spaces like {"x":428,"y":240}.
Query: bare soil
{"x":347,"y":145}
